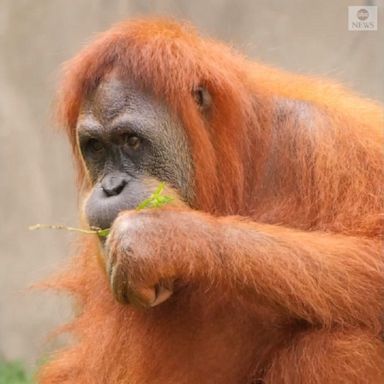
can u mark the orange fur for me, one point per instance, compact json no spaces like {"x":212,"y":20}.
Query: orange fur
{"x":297,"y":294}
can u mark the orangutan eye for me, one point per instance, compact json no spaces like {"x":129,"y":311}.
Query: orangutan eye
{"x":202,"y":97}
{"x":94,"y":146}
{"x":132,"y":141}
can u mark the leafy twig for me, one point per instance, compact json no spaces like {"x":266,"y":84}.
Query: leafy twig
{"x":156,"y":200}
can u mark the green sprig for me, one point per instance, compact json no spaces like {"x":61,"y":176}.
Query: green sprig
{"x":156,"y":200}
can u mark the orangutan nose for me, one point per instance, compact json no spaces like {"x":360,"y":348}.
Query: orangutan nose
{"x":114,"y":183}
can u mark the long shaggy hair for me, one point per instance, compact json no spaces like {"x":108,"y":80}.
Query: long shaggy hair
{"x":322,"y":145}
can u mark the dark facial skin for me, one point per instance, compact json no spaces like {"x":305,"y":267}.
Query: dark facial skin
{"x":130,"y":142}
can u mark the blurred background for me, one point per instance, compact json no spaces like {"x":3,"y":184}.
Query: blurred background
{"x":37,"y":185}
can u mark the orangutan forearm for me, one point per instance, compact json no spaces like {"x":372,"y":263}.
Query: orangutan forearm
{"x":322,"y":278}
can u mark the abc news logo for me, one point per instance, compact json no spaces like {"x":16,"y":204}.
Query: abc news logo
{"x":362,"y":18}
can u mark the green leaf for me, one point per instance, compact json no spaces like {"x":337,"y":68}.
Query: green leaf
{"x":159,"y":189}
{"x":156,"y":200}
{"x":103,"y":232}
{"x":144,"y":204}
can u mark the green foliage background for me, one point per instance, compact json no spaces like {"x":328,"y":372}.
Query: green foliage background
{"x":13,"y":373}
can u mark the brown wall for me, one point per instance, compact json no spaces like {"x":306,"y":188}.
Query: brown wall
{"x":37,"y":178}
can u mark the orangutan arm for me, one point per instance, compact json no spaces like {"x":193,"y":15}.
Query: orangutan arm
{"x":319,"y":277}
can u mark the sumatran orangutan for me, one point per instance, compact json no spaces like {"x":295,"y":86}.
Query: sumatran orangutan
{"x":268,"y":266}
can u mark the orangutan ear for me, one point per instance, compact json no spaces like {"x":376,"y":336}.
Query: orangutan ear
{"x":202,"y":97}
